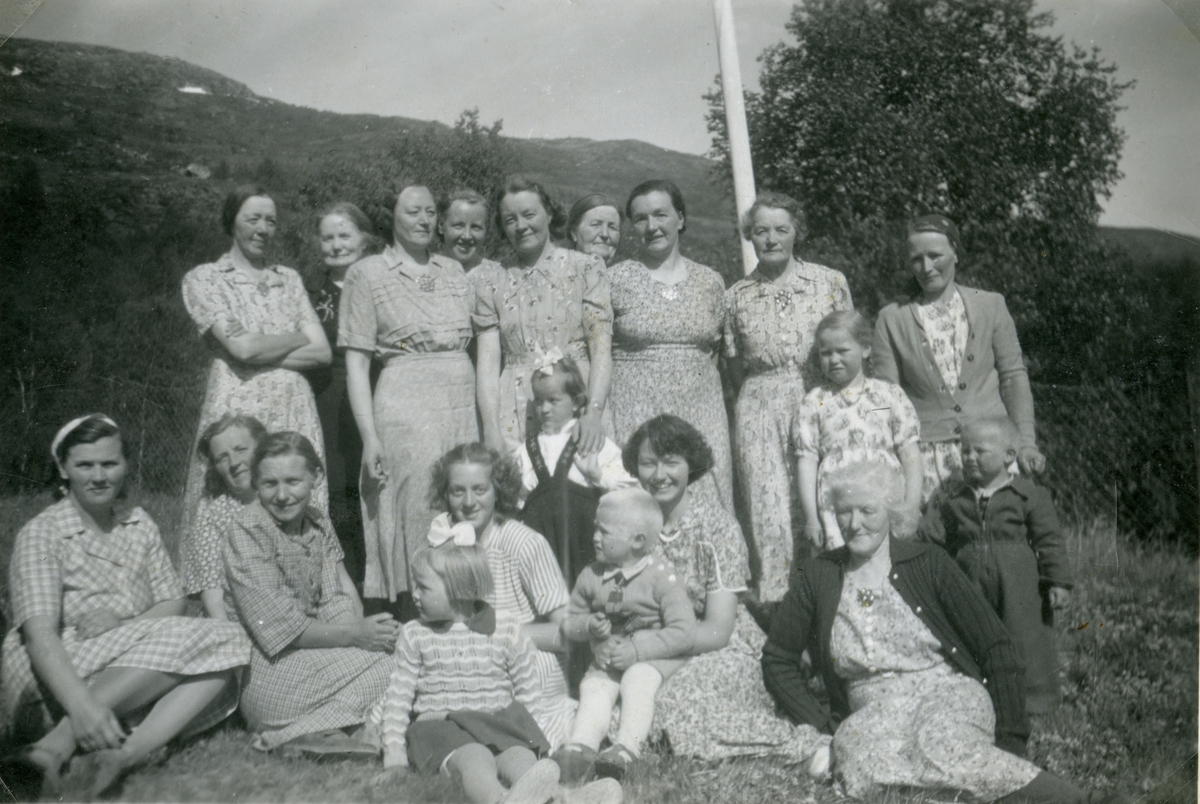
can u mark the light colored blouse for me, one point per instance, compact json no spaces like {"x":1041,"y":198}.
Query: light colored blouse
{"x":389,"y":310}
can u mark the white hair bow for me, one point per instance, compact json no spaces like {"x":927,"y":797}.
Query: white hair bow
{"x":544,"y":362}
{"x":442,"y":531}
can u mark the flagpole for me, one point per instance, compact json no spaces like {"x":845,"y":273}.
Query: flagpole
{"x":735,"y":120}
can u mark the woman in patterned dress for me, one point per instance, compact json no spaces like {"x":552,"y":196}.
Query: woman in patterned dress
{"x":925,"y":685}
{"x":318,"y":665}
{"x":715,"y":706}
{"x":954,"y":351}
{"x":668,"y":315}
{"x":773,"y":313}
{"x":410,"y":309}
{"x":228,"y":444}
{"x":346,"y":235}
{"x":545,"y":298}
{"x":594,"y":226}
{"x":97,"y":624}
{"x":263,"y":331}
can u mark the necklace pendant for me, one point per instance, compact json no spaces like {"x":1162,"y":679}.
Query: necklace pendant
{"x":671,"y":292}
{"x":426,"y":283}
{"x":865,"y":597}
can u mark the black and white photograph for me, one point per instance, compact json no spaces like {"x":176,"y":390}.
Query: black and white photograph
{"x":587,"y":402}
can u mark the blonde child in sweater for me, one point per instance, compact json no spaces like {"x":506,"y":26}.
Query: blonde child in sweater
{"x":463,"y":698}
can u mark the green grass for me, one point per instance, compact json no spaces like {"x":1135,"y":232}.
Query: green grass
{"x":1129,"y":719}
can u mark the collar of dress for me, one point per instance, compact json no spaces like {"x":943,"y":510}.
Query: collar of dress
{"x":396,"y":260}
{"x":272,"y":277}
{"x":71,"y":523}
{"x":796,"y":277}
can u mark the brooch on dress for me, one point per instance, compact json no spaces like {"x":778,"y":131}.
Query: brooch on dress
{"x":670,"y":292}
{"x":783,"y":297}
{"x":426,"y":283}
{"x":866,"y":597}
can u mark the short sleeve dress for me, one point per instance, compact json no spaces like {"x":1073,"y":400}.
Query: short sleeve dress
{"x":205,"y":564}
{"x":716,"y":706}
{"x":868,"y":424}
{"x":665,"y":342}
{"x":278,"y":397}
{"x":770,"y":329}
{"x":280,"y":583}
{"x":61,"y":569}
{"x":418,"y":326}
{"x":560,"y":302}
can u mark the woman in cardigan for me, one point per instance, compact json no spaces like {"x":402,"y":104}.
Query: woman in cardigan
{"x":954,"y":351}
{"x":925,"y":685}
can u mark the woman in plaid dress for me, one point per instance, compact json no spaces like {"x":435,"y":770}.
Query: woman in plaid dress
{"x":318,"y":666}
{"x":97,"y":610}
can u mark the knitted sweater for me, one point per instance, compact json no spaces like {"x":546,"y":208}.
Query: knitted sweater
{"x":646,"y":602}
{"x":477,"y":667}
{"x":973,"y":639}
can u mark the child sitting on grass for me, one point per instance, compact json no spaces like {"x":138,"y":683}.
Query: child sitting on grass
{"x":561,"y":487}
{"x":1004,"y":532}
{"x":639,"y":619}
{"x":467,"y":673}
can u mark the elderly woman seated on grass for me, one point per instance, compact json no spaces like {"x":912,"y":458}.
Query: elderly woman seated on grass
{"x":317,"y":665}
{"x":99,"y":638}
{"x":228,"y":444}
{"x":925,"y":685}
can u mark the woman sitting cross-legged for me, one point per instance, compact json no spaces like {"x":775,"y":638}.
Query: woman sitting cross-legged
{"x":925,"y":685}
{"x":99,"y":638}
{"x":318,"y":665}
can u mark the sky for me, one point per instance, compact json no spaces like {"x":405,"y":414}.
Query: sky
{"x":607,"y":69}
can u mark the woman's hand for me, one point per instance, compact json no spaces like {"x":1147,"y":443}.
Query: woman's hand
{"x":1060,"y":596}
{"x":377,"y":632}
{"x":96,"y":726}
{"x":373,"y":460}
{"x":96,"y":622}
{"x":1031,"y":460}
{"x":590,"y":433}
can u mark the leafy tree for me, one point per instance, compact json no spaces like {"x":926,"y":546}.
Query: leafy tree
{"x":883,"y":109}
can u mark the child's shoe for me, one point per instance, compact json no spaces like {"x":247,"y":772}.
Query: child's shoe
{"x":613,"y":762}
{"x":575,"y":761}
{"x":601,"y":791}
{"x":537,"y":786}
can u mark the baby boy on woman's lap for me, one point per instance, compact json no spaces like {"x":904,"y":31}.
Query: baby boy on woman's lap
{"x":639,"y":619}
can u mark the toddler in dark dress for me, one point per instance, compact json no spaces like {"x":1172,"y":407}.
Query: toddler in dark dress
{"x":1004,"y":532}
{"x":561,"y":487}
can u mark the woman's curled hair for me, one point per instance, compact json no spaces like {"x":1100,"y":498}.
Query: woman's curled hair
{"x":213,"y":486}
{"x":286,"y":442}
{"x":670,"y":435}
{"x":505,"y":473}
{"x":525,"y":184}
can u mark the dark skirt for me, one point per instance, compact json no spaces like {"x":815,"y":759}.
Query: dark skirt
{"x":431,"y":741}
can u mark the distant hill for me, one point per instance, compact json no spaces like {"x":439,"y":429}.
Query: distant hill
{"x":85,"y":113}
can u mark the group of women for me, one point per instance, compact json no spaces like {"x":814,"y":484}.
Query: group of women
{"x":385,"y":343}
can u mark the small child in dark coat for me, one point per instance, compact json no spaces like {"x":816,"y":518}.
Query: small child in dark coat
{"x":637,"y":615}
{"x":1004,"y":533}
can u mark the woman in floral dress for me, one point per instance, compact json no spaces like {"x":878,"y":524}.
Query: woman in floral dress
{"x":668,"y":316}
{"x":263,"y":331}
{"x":546,"y":298}
{"x":715,"y":706}
{"x":409,"y":309}
{"x":925,"y":687}
{"x":954,"y":351}
{"x":773,"y":313}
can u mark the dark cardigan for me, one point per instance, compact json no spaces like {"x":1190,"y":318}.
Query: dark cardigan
{"x":972,"y":637}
